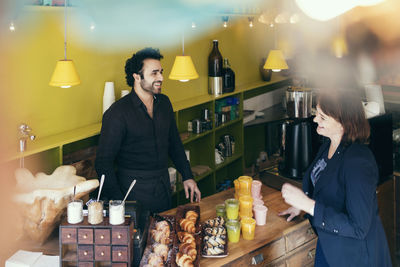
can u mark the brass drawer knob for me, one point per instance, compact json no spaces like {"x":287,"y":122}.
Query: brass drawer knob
{"x":85,"y":253}
{"x":102,"y":237}
{"x":119,"y":254}
{"x":310,"y":231}
{"x":69,"y":236}
{"x":84,"y":236}
{"x":119,"y":236}
{"x":102,"y":253}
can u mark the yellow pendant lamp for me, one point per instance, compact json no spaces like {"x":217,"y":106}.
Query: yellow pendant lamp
{"x":275,"y":61}
{"x":65,"y":74}
{"x":183,"y":69}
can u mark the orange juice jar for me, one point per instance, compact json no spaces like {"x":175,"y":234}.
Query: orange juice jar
{"x":246,"y":206}
{"x":245,"y":185}
{"x":248,"y":228}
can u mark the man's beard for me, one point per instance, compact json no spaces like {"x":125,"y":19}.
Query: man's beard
{"x":150,"y":88}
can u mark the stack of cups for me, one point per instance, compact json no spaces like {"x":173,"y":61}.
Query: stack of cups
{"x":246,"y":205}
{"x":232,"y":216}
{"x":259,"y":209}
{"x":248,"y":228}
{"x":108,"y":96}
{"x":256,"y":189}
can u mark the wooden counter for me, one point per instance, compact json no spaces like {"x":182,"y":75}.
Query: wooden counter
{"x":277,"y":243}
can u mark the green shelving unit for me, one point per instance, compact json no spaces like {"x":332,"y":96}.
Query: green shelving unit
{"x":45,"y":154}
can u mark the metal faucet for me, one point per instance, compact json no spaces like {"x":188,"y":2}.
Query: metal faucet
{"x":24,"y":134}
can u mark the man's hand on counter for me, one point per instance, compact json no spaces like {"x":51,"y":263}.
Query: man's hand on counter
{"x":190,"y":186}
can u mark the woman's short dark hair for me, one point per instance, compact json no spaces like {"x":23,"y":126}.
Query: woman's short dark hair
{"x":345,"y":106}
{"x":135,"y":63}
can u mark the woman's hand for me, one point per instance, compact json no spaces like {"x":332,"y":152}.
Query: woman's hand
{"x":292,"y":211}
{"x":296,"y":198}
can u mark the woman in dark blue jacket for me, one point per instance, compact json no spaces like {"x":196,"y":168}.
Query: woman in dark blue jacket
{"x":339,"y":188}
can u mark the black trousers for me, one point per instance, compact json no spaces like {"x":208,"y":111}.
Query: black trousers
{"x":152,"y":189}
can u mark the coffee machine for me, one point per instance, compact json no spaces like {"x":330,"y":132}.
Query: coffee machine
{"x":297,"y":133}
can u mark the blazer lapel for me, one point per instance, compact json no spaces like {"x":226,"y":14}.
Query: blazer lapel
{"x":331,"y":170}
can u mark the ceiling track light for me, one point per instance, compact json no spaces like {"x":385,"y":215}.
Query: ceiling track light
{"x":225,"y":21}
{"x":251,"y":22}
{"x":12,"y":26}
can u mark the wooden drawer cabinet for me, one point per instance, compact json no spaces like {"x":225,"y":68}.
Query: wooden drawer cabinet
{"x":85,"y":236}
{"x":119,"y":253}
{"x":85,"y":253}
{"x":96,"y":245}
{"x":86,"y":264}
{"x":265,"y":254}
{"x":102,"y":236}
{"x":302,"y":256}
{"x":68,"y":235}
{"x":302,"y":235}
{"x":295,"y":248}
{"x":102,"y":253}
{"x":119,"y":236}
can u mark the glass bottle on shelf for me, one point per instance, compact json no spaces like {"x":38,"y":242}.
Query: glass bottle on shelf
{"x":228,"y":80}
{"x":215,"y":70}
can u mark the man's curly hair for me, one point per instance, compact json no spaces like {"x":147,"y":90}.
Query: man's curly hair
{"x":135,"y":63}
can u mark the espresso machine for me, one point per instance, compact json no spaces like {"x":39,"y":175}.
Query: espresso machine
{"x":297,"y":133}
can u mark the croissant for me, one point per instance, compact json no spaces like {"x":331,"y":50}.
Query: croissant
{"x":192,"y":215}
{"x":187,"y":226}
{"x":185,"y":237}
{"x":155,"y":260}
{"x":162,"y":225}
{"x":161,"y":250}
{"x":188,"y":249}
{"x":160,"y":236}
{"x":183,"y":260}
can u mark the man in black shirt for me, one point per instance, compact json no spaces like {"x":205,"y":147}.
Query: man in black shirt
{"x":138,"y":134}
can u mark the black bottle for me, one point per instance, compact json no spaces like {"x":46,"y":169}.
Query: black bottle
{"x":228,"y":80}
{"x":215,"y":70}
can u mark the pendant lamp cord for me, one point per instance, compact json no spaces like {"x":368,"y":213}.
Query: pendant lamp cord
{"x":183,"y":44}
{"x":65,"y":29}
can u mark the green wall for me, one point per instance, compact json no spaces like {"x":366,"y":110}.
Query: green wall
{"x":31,"y":52}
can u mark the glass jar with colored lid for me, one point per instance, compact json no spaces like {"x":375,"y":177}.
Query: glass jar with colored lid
{"x":248,"y":228}
{"x":245,"y":185}
{"x":220,"y":209}
{"x":232,"y":208}
{"x":233,"y":229}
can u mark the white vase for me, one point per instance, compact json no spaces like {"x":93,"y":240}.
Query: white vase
{"x":108,"y":96}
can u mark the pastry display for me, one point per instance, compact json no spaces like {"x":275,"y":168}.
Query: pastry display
{"x":214,"y":238}
{"x":174,"y":240}
{"x":159,"y":249}
{"x":187,"y":246}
